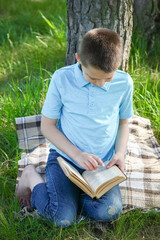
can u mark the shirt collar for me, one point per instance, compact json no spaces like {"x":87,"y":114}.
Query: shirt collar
{"x":79,"y":76}
{"x":83,"y":82}
{"x":106,"y":86}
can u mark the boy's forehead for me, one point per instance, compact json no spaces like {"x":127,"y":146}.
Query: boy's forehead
{"x":95,"y":72}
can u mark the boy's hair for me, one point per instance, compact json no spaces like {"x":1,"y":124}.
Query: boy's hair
{"x":102,"y":49}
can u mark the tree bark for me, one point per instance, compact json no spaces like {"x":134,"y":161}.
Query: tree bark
{"x":84,"y":15}
{"x":146,"y":19}
{"x":146,"y":15}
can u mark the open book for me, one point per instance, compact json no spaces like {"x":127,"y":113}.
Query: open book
{"x":96,"y":182}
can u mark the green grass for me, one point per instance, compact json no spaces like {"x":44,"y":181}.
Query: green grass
{"x":145,"y":71}
{"x":32,"y":47}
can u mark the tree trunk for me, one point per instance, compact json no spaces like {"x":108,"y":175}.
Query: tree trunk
{"x":146,"y":19}
{"x":84,"y":15}
{"x":146,"y":15}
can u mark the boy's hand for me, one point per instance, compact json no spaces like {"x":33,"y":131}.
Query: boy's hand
{"x":88,"y":161}
{"x":117,"y":159}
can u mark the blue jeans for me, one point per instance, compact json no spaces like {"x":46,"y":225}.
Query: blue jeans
{"x":59,"y":200}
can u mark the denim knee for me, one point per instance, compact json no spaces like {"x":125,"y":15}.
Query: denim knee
{"x":63,"y":219}
{"x":103,"y":212}
{"x":106,"y":209}
{"x":106,"y":213}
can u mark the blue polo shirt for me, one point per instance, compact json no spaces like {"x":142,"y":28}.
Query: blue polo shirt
{"x":88,"y":115}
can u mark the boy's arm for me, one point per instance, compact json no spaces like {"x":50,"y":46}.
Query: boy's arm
{"x":52,"y":133}
{"x":121,"y":145}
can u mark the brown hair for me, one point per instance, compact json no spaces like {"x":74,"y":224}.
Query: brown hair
{"x":102,"y":49}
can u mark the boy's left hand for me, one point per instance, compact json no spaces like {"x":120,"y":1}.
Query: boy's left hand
{"x":117,"y":159}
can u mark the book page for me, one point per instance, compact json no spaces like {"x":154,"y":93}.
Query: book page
{"x":70,"y":170}
{"x":105,"y":188}
{"x":85,"y":188}
{"x":98,"y":177}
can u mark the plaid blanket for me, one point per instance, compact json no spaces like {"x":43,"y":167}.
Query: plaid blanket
{"x":142,"y":187}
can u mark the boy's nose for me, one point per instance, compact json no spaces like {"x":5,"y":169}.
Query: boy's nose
{"x":100,"y":83}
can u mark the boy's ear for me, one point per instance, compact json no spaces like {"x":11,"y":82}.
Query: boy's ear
{"x":77,"y":58}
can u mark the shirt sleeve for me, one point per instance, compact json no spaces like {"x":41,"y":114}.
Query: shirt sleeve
{"x":53,"y":104}
{"x":126,"y":106}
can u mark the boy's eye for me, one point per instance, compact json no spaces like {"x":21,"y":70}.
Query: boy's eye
{"x":94,"y":79}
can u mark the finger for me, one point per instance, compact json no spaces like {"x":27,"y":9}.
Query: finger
{"x":121,"y":167}
{"x":98,"y":160}
{"x":88,"y":166}
{"x":93,"y":162}
{"x":111,"y":163}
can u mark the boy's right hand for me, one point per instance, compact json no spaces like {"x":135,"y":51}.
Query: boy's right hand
{"x":88,"y":161}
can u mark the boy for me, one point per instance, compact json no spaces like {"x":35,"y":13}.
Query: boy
{"x":85,"y":117}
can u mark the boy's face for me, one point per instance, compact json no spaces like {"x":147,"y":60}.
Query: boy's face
{"x":95,"y":76}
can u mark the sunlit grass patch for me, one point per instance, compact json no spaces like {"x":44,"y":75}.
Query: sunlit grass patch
{"x":146,"y":96}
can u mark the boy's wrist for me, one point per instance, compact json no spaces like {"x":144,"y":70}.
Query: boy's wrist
{"x":120,"y":153}
{"x":75,"y":154}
